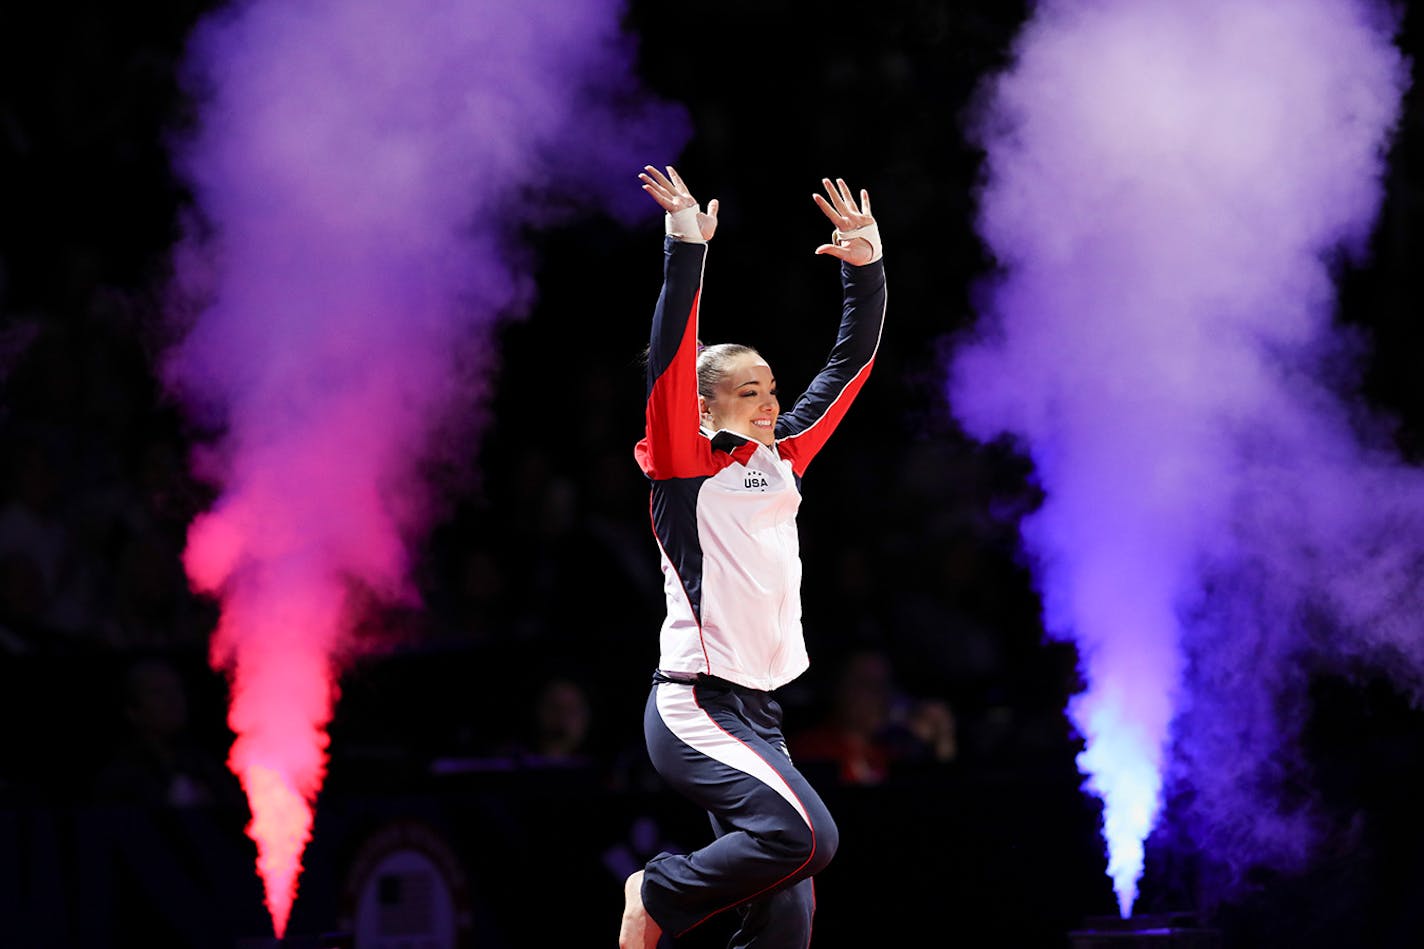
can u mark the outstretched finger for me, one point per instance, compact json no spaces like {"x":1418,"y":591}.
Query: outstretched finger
{"x":659,"y":193}
{"x":846,"y":196}
{"x":836,"y":201}
{"x":836,"y":217}
{"x":855,"y":252}
{"x":657,"y":177}
{"x":834,"y":250}
{"x":667,"y":204}
{"x":865,"y":203}
{"x":676,"y":178}
{"x":643,"y":177}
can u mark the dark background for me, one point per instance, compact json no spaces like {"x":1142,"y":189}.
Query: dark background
{"x":544,"y":568}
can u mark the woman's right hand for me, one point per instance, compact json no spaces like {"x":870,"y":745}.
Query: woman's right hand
{"x":857,"y":239}
{"x":672,"y":196}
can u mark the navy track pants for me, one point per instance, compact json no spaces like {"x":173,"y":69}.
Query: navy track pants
{"x":721,"y":745}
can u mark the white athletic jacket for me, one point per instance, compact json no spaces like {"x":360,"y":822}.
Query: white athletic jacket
{"x":724,"y":506}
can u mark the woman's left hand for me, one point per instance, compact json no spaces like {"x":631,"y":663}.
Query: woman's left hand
{"x":846,"y":215}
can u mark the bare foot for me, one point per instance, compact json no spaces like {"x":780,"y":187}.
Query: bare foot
{"x":638,"y":930}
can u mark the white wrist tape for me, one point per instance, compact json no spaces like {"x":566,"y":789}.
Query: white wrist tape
{"x":870,"y":233}
{"x":683,"y":225}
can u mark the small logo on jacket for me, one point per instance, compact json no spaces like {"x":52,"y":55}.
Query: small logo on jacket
{"x":755,"y":479}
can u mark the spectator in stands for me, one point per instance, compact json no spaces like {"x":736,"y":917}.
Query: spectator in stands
{"x":858,"y":733}
{"x":559,"y":733}
{"x":156,"y":760}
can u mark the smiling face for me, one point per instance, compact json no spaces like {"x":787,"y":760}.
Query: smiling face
{"x":743,"y":399}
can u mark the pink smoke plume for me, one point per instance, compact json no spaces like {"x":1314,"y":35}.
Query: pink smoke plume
{"x":361,"y":172}
{"x":1168,"y":184}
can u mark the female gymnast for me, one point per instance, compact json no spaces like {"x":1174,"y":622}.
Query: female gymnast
{"x":725,"y":464}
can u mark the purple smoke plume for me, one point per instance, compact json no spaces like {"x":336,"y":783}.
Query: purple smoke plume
{"x":1168,"y":184}
{"x":362,"y":171}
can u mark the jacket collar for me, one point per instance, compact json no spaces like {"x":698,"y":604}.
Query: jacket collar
{"x":728,"y":441}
